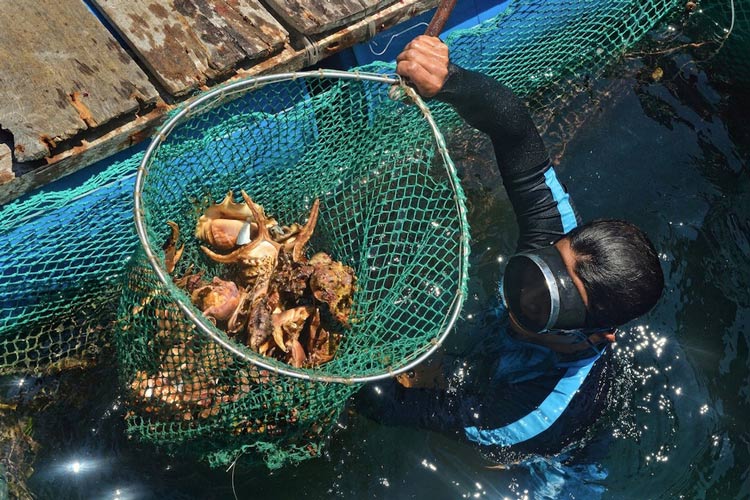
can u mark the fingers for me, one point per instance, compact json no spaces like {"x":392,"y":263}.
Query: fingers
{"x":426,"y":83}
{"x":424,"y":62}
{"x":426,"y":50}
{"x":427,"y":46}
{"x":610,"y":337}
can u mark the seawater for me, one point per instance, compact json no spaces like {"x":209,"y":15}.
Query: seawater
{"x":669,"y":154}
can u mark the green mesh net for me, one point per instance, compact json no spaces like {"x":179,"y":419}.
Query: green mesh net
{"x":545,"y":50}
{"x":389,"y":208}
{"x":69,"y":255}
{"x":391,"y":281}
{"x":190,"y":396}
{"x":727,"y":51}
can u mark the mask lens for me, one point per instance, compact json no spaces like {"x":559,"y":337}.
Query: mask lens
{"x":526,"y":293}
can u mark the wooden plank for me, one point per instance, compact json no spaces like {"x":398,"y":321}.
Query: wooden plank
{"x":363,"y":30}
{"x":289,"y":59}
{"x":313,"y":17}
{"x":84,"y":154}
{"x":61,"y":72}
{"x":186,"y":43}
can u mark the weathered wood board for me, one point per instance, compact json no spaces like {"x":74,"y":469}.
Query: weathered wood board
{"x":312,"y":17}
{"x":185,"y":43}
{"x":289,"y":58}
{"x":61,"y":72}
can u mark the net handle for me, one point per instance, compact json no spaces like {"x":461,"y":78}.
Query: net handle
{"x":443,"y":12}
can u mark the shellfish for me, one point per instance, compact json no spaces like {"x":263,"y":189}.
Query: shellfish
{"x":271,"y":297}
{"x":227,"y":224}
{"x":333,"y":283}
{"x":218,"y":300}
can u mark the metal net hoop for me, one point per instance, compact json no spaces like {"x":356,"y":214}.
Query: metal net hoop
{"x":391,"y":205}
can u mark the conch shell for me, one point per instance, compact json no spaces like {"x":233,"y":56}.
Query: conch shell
{"x":217,"y":300}
{"x":222,"y":223}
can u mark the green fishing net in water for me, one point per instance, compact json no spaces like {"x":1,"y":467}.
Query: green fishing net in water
{"x":190,"y":396}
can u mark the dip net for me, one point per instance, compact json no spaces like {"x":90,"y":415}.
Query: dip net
{"x":70,"y":254}
{"x":373,"y":291}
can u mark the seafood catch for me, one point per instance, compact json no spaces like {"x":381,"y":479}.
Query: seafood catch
{"x":222,"y":224}
{"x":271,"y":295}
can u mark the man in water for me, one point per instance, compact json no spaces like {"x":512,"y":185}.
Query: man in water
{"x":566,"y":290}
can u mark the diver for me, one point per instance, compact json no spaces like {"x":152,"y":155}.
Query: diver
{"x":537,"y":382}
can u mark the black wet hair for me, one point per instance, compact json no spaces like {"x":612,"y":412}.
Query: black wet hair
{"x":619,"y":268}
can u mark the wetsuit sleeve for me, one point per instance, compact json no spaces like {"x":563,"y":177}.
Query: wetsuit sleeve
{"x":543,"y":208}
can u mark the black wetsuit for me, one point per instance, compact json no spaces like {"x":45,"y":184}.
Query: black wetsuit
{"x":510,"y":379}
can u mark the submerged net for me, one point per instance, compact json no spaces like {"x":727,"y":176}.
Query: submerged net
{"x":547,"y":51}
{"x":71,"y":252}
{"x":190,"y":396}
{"x":727,"y":51}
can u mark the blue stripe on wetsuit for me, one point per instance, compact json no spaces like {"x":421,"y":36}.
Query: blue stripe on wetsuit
{"x":543,"y":417}
{"x":557,"y":401}
{"x":567,"y":216}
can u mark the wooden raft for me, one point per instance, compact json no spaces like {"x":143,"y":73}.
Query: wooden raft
{"x":61,"y":72}
{"x":71,"y":95}
{"x":312,"y":18}
{"x":186,"y":43}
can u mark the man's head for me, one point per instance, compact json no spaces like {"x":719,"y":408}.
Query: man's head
{"x":600,"y":275}
{"x":618,"y":268}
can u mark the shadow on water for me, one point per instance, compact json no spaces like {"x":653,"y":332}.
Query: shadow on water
{"x":669,"y":154}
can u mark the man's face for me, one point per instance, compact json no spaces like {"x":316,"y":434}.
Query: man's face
{"x":569,"y":259}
